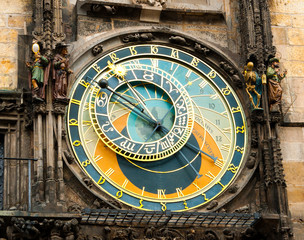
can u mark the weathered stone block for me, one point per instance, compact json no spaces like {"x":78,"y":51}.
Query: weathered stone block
{"x":286,"y":6}
{"x":295,"y":68}
{"x":279,"y":35}
{"x":298,"y":21}
{"x":296,"y":36}
{"x":17,"y":6}
{"x":281,"y":20}
{"x":8,"y":50}
{"x":8,"y":81}
{"x":292,"y":134}
{"x":293,"y":151}
{"x":295,"y":53}
{"x":295,"y":194}
{"x":7,"y":66}
{"x":8,"y":35}
{"x":18,"y":21}
{"x":294,"y":172}
{"x":3,"y":20}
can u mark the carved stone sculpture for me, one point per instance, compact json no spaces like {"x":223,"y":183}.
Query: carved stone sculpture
{"x":155,"y":3}
{"x":274,"y":78}
{"x":61,"y":72}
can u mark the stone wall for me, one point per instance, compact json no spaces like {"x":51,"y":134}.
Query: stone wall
{"x":217,"y":26}
{"x":15,"y":16}
{"x":288,"y":30}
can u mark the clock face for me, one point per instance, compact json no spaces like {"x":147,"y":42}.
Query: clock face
{"x":156,"y":128}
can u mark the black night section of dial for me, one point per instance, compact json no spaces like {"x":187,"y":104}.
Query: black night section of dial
{"x":169,"y":173}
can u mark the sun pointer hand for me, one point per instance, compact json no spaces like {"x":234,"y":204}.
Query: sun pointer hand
{"x":104,"y":84}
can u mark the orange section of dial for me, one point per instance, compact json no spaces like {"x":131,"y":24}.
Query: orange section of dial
{"x":110,"y":163}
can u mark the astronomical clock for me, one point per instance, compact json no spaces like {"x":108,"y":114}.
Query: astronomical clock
{"x":157,"y":125}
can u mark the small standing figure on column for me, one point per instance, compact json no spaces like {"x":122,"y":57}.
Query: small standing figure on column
{"x":274,"y":77}
{"x":253,"y":85}
{"x":61,"y":72}
{"x":39,"y":72}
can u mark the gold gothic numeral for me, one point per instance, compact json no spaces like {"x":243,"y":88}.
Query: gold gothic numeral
{"x":86,"y":163}
{"x":75,"y":101}
{"x":236,"y":109}
{"x":239,"y":149}
{"x":154,"y":49}
{"x":84,"y":83}
{"x":226,"y":91}
{"x":205,"y":197}
{"x":232,"y":168}
{"x":101,"y":180}
{"x":119,"y":194}
{"x":185,"y":204}
{"x":212,"y":74}
{"x":194,"y":62}
{"x":140,"y":203}
{"x":73,"y":122}
{"x":133,"y":51}
{"x":174,"y":53}
{"x":164,"y":207}
{"x":223,"y":186}
{"x":113,"y":57}
{"x":240,"y":129}
{"x":96,"y":68}
{"x":76,"y":143}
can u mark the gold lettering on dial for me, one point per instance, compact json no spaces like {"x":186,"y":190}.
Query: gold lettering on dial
{"x":75,"y":101}
{"x":133,"y":51}
{"x":73,"y":122}
{"x":210,"y":175}
{"x":179,"y":192}
{"x":194,"y":62}
{"x":109,"y":172}
{"x":96,"y":68}
{"x":113,"y":57}
{"x":154,"y":49}
{"x":174,"y":53}
{"x":125,"y":183}
{"x":161,"y":193}
{"x":212,"y":74}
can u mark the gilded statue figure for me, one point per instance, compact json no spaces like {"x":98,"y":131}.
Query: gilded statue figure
{"x":253,"y":85}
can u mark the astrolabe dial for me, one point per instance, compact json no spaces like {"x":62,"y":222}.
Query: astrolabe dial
{"x":143,"y":115}
{"x":157,"y":128}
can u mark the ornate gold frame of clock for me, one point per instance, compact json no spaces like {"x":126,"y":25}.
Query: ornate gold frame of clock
{"x":128,"y":156}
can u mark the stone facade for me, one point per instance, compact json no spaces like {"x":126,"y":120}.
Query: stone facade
{"x":15,"y":17}
{"x":217,"y":24}
{"x":288,"y":32}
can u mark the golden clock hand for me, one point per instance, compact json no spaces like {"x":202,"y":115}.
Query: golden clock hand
{"x":136,"y":112}
{"x":189,"y":145}
{"x":104,"y":84}
{"x":136,"y":95}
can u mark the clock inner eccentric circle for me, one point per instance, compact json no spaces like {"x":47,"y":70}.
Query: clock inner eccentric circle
{"x":159,"y":105}
{"x":161,"y":108}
